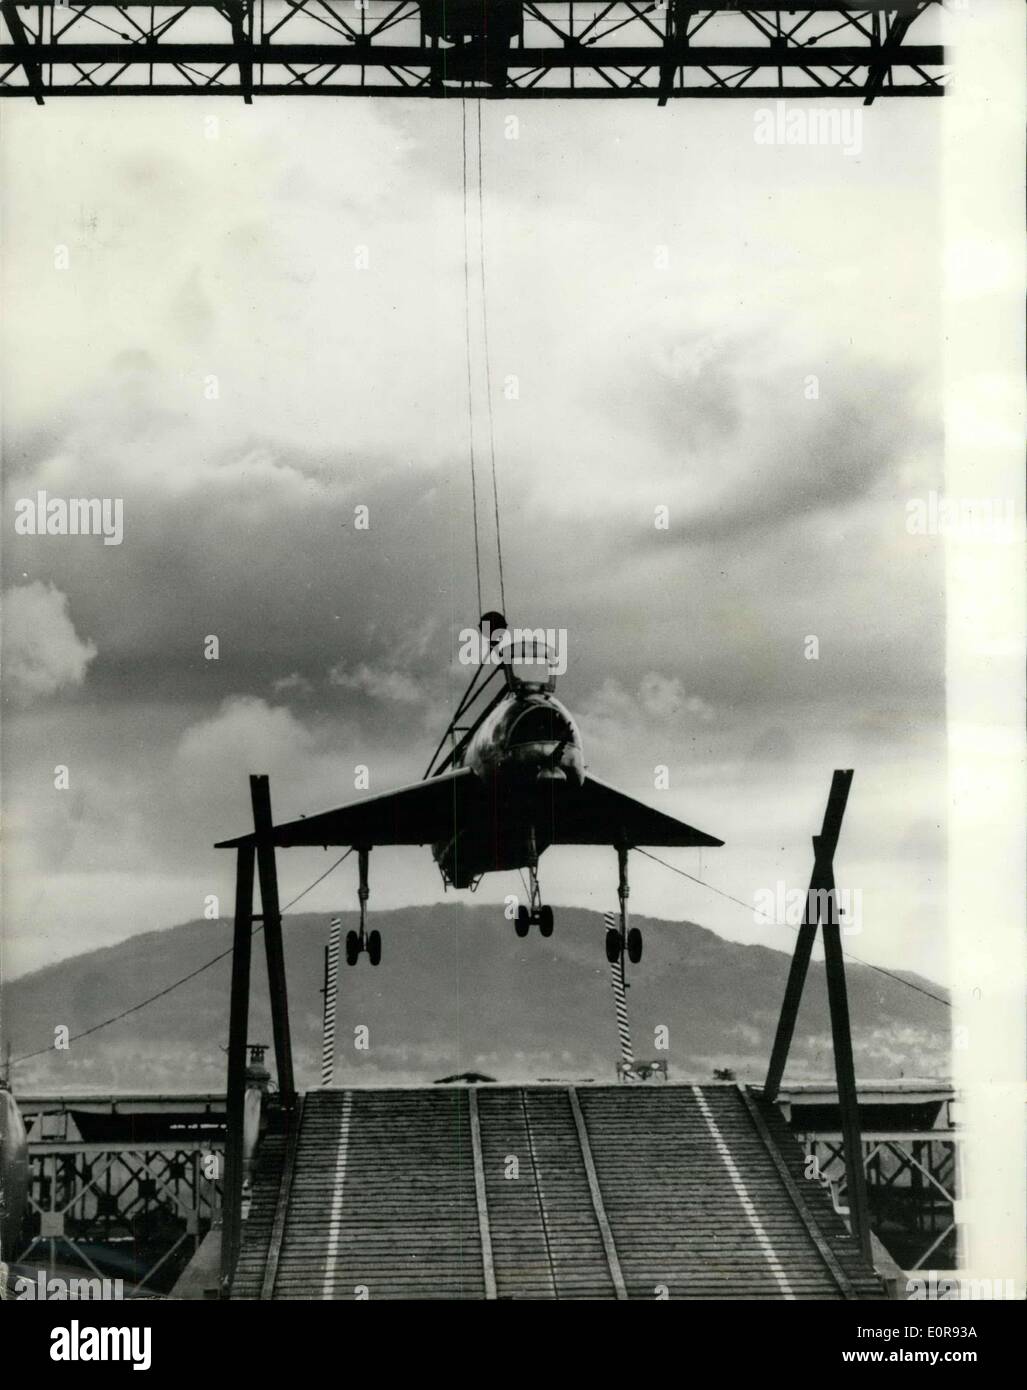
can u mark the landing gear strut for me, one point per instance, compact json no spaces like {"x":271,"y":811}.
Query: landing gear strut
{"x":356,"y":942}
{"x":538,"y":912}
{"x":629,"y":939}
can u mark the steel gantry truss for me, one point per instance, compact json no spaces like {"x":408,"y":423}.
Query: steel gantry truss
{"x":912,"y":1182}
{"x":148,"y":1204}
{"x":481,"y":48}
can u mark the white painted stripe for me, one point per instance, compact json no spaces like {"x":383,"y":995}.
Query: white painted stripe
{"x":762,"y":1239}
{"x":334,"y":1229}
{"x":481,"y":1195}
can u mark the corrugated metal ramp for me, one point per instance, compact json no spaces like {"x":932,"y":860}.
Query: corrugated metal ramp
{"x":682,"y":1192}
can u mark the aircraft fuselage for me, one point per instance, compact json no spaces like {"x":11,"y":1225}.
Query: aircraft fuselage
{"x":528,"y":740}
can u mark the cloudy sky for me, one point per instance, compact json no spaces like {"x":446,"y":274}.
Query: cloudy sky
{"x":247,"y":323}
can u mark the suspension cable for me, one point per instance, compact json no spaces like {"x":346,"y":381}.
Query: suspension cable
{"x":488,"y":362}
{"x":134,"y":1009}
{"x":467,"y":343}
{"x":857,"y":960}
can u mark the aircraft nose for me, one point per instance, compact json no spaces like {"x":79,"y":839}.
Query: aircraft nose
{"x":541,"y":724}
{"x":542,"y":745}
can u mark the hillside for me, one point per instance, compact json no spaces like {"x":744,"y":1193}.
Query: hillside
{"x":457,"y":991}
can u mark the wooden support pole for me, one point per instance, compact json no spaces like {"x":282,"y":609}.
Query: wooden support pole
{"x":837,"y":800}
{"x":239,"y":1010}
{"x":260,"y":795}
{"x":821,"y":894}
{"x":821,"y":880}
{"x":848,"y":1101}
{"x":789,"y":1009}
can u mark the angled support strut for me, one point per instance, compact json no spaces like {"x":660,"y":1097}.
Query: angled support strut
{"x":822,"y":894}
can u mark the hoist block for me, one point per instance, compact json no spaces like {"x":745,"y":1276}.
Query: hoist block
{"x":497,"y":21}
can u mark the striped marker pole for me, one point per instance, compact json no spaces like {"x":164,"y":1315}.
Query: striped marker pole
{"x":619,"y":998}
{"x":330,"y":993}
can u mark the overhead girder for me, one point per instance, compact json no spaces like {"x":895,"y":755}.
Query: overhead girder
{"x":508,"y":49}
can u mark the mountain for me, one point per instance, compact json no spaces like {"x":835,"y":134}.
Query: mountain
{"x":457,"y":991}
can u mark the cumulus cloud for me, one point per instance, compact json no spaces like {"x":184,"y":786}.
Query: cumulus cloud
{"x":657,"y":697}
{"x":395,"y":686}
{"x":293,"y":683}
{"x":663,"y":697}
{"x":245,"y":735}
{"x":241,"y":460}
{"x":42,"y":652}
{"x":748,"y":440}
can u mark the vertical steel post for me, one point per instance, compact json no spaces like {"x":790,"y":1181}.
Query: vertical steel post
{"x":239,"y":1011}
{"x":260,"y":795}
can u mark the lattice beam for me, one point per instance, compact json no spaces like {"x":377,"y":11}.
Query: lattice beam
{"x":507,"y":49}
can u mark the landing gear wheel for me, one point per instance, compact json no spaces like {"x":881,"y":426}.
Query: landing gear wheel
{"x":634,"y":945}
{"x":522,"y":922}
{"x":613,"y":946}
{"x":352,"y":947}
{"x":545,"y":921}
{"x":374,"y":947}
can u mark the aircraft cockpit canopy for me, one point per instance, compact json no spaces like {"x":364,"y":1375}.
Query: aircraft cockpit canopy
{"x":530,"y":665}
